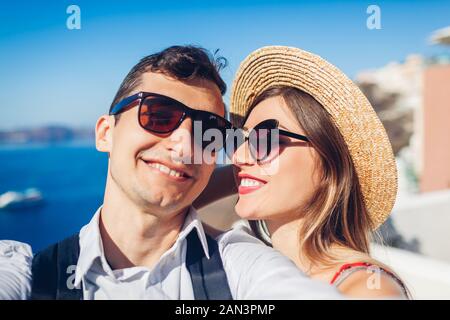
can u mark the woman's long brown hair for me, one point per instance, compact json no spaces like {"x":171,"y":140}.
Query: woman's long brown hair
{"x":335,"y":214}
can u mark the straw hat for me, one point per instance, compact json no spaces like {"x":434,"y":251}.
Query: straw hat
{"x":349,"y":109}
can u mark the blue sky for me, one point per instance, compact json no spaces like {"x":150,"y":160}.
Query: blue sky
{"x":50,"y":74}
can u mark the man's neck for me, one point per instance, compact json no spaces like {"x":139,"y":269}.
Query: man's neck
{"x":133,"y":237}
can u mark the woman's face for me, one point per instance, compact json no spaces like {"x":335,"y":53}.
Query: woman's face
{"x":277,"y":189}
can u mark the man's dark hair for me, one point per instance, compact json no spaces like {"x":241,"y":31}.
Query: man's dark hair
{"x":179,"y":62}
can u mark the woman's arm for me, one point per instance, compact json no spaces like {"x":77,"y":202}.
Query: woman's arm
{"x":221,"y":185}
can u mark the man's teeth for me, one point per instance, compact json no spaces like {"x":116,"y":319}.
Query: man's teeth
{"x":250,"y":183}
{"x":166,"y":170}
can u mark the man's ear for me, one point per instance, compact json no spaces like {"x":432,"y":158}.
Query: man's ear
{"x":103,"y":133}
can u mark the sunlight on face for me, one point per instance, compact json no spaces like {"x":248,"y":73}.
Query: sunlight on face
{"x":281,"y":194}
{"x":137,"y":155}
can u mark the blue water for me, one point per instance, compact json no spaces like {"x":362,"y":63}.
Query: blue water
{"x":71,"y":178}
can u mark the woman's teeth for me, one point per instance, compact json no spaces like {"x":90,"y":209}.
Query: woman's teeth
{"x":250,"y":183}
{"x":166,"y":170}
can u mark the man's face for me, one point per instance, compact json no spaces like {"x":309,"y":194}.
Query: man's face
{"x":140,"y":161}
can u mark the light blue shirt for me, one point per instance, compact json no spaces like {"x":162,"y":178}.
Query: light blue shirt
{"x":254,"y":270}
{"x":15,"y":270}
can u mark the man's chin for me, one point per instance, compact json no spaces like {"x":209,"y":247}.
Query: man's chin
{"x":163,"y":201}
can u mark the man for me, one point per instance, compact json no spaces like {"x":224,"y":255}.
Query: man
{"x":146,"y":240}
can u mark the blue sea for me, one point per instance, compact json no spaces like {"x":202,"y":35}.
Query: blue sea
{"x":71,"y":178}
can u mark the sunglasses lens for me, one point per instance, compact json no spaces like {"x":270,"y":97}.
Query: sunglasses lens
{"x":263,"y":141}
{"x":259,"y":143}
{"x":233,"y":141}
{"x":160,"y":115}
{"x":218,"y":127}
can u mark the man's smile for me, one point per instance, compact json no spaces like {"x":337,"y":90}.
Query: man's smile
{"x":168,"y":170}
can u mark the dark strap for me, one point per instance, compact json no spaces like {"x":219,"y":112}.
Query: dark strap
{"x":51,"y":269}
{"x":209,"y":280}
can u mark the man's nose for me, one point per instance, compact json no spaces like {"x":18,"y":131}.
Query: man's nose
{"x":180,"y":140}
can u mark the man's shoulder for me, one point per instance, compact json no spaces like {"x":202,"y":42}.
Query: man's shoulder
{"x":11,"y":248}
{"x":240,"y":243}
{"x":211,"y":231}
{"x":239,"y":233}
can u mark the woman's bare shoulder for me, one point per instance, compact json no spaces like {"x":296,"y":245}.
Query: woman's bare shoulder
{"x":371,"y":284}
{"x":376,"y":280}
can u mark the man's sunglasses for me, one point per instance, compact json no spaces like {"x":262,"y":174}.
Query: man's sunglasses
{"x":162,"y":114}
{"x":261,"y":140}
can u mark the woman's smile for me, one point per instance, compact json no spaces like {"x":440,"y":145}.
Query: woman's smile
{"x":249,"y":183}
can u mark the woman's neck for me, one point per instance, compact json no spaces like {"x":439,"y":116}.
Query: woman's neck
{"x":285,"y":236}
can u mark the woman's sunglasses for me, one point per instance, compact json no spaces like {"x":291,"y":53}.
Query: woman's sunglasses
{"x":263,"y":140}
{"x":161,"y":114}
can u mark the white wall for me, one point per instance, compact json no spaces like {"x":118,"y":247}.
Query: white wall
{"x":427,"y":218}
{"x":426,"y":278}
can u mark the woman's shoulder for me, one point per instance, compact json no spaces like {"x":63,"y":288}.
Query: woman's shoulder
{"x":369,"y":278}
{"x":363,"y":284}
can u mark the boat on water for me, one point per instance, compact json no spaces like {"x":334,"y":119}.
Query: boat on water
{"x":20,"y":200}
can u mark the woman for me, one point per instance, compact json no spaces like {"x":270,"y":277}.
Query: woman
{"x":330,"y":182}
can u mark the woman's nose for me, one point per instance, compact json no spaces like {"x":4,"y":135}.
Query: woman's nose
{"x":242,"y":155}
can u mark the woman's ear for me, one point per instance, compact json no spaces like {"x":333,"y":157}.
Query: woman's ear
{"x":103,"y":133}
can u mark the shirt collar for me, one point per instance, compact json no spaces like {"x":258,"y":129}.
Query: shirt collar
{"x":91,"y":245}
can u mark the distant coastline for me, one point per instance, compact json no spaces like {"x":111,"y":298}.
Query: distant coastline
{"x":50,"y":134}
